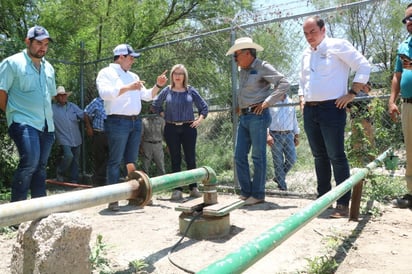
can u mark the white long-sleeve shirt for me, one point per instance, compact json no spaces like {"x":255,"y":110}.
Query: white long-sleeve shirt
{"x":284,"y":117}
{"x":110,"y":80}
{"x":325,"y":71}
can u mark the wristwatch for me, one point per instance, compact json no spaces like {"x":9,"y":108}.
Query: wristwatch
{"x":351,"y":91}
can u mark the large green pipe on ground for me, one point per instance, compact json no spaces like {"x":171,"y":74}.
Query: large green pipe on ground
{"x":139,"y":187}
{"x":250,"y":253}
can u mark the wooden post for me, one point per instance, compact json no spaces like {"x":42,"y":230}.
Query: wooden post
{"x":356,"y":199}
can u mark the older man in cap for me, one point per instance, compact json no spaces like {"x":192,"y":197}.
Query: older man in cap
{"x":67,"y":116}
{"x":260,"y":86}
{"x":122,"y":92}
{"x":27,"y":84}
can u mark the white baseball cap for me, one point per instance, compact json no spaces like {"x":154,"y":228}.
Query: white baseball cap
{"x":125,"y":49}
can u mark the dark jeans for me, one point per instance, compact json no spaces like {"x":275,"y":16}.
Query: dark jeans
{"x":100,"y":155}
{"x":123,"y":136}
{"x":69,"y":163}
{"x":34,"y":148}
{"x":178,"y":137}
{"x":325,"y":128}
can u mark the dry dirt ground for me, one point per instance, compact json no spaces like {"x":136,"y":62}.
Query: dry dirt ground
{"x":371,"y":245}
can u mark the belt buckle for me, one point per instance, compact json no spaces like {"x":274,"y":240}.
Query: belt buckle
{"x":179,"y":124}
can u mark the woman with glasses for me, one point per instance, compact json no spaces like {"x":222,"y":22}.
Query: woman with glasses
{"x":175,"y":103}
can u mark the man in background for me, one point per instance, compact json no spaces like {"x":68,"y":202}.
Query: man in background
{"x":283,"y":136}
{"x":94,"y":117}
{"x":152,"y":142}
{"x":67,"y":116}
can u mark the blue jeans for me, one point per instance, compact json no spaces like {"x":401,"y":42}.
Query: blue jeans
{"x":70,"y":162}
{"x":123,"y":136}
{"x":283,"y":155}
{"x":34,"y":148}
{"x":178,"y":137}
{"x":325,"y":128}
{"x":252,"y":133}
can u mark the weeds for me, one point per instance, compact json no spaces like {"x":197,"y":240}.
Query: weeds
{"x":138,"y":266}
{"x":322,"y":265}
{"x":97,"y":256}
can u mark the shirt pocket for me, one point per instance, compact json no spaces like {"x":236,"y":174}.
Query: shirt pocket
{"x":324,"y":64}
{"x":253,"y":82}
{"x":29,"y":82}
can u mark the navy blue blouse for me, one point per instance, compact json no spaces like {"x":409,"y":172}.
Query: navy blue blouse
{"x":178,"y":106}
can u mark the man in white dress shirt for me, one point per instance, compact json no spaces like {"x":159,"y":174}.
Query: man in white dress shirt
{"x":122,"y":92}
{"x":323,"y":90}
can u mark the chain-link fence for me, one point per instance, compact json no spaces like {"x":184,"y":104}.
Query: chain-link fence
{"x":214,"y":75}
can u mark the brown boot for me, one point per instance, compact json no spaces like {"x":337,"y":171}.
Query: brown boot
{"x":341,"y":211}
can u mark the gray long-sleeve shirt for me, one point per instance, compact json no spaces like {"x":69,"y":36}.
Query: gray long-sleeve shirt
{"x":261,"y":82}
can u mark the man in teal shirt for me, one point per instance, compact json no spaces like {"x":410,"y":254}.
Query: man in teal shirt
{"x":402,"y":85}
{"x":27,"y":84}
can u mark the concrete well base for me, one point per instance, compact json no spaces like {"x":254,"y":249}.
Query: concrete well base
{"x":205,"y":227}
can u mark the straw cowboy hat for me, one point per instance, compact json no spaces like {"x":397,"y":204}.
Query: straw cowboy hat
{"x":244,"y":43}
{"x":62,"y":90}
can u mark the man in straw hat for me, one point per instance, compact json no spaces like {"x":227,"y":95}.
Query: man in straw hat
{"x":67,"y":116}
{"x":260,"y":86}
{"x":27,"y":84}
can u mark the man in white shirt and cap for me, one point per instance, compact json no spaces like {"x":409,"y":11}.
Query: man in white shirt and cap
{"x":122,"y":92}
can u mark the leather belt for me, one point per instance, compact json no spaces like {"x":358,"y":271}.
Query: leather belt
{"x":249,"y":109}
{"x":281,"y":132}
{"x":407,"y":100}
{"x":178,"y":123}
{"x":153,"y":142}
{"x":127,"y":117}
{"x":317,"y":103}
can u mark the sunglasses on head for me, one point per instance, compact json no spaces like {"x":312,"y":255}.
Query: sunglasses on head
{"x":407,"y":19}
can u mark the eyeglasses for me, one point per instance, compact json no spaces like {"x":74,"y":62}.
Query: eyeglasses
{"x":178,"y":73}
{"x":407,"y":19}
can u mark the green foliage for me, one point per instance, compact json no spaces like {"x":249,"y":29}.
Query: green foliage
{"x":382,"y":188}
{"x":97,"y":256}
{"x":138,"y":266}
{"x":8,"y":231}
{"x":386,"y":134}
{"x":322,"y":265}
{"x":215,"y":143}
{"x":8,"y":160}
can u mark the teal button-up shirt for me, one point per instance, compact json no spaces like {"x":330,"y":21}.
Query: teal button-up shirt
{"x":29,"y":91}
{"x":406,"y":81}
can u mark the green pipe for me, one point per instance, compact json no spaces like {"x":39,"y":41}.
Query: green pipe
{"x":250,"y":253}
{"x":27,"y":210}
{"x":165,"y":182}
